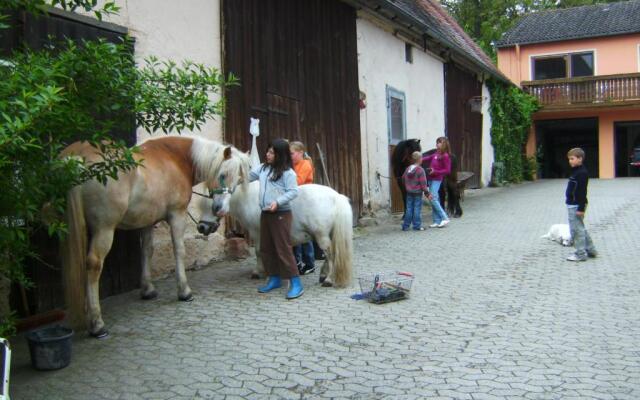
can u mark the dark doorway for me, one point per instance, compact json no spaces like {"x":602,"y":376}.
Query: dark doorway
{"x":556,"y":137}
{"x":627,"y":137}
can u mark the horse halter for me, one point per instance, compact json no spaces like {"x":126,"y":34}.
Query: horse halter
{"x":223,"y":189}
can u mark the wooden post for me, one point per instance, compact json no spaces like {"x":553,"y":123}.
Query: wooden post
{"x":324,"y":166}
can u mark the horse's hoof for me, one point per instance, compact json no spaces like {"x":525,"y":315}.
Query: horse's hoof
{"x":101,"y":333}
{"x":149,"y":296}
{"x":186,"y":298}
{"x":327,"y":284}
{"x":255,"y":275}
{"x":322,"y":279}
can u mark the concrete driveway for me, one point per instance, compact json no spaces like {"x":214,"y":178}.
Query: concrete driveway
{"x":496,"y":313}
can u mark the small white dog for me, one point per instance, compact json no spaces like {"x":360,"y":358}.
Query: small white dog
{"x":560,"y":233}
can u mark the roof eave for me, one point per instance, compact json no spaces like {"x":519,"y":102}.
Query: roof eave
{"x":584,"y":37}
{"x":410,"y":21}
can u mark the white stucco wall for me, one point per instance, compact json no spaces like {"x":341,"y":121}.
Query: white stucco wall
{"x":177,"y":30}
{"x":487,"y":148}
{"x":381,"y":62}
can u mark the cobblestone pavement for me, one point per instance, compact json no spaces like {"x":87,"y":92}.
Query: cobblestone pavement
{"x":496,"y":313}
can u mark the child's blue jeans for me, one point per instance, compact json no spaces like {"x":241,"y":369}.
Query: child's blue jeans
{"x":437,"y":212}
{"x":413,"y":211}
{"x":304,"y":252}
{"x":581,"y":239}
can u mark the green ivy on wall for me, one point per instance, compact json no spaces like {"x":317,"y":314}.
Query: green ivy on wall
{"x":511,"y":111}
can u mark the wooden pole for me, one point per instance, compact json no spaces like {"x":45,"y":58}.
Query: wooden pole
{"x":324,"y":166}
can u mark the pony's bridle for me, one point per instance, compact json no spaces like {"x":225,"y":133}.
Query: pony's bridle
{"x":223,"y":189}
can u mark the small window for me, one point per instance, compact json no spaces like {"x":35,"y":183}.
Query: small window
{"x":396,"y":115}
{"x":582,"y":64}
{"x":408,"y":53}
{"x":550,"y":68}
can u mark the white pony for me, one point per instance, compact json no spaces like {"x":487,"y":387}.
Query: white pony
{"x":319,"y":212}
{"x":559,"y":233}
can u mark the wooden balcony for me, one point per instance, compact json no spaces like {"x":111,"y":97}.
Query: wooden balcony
{"x":586,"y":92}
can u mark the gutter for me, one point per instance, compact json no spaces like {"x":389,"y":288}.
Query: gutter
{"x":411,"y":20}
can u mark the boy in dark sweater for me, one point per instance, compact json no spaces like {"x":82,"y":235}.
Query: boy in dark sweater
{"x":576,"y":200}
{"x":415,"y":183}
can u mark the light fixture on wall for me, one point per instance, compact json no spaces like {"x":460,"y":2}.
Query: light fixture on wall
{"x":362,"y":101}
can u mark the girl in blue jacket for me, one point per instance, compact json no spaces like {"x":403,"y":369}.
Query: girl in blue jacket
{"x":278,"y":187}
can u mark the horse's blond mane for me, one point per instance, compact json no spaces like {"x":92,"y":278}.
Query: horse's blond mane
{"x":208,"y":156}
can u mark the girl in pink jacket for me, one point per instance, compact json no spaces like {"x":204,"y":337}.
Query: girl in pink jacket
{"x":439,"y":167}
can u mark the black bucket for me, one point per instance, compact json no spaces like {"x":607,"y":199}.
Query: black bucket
{"x":50,"y":348}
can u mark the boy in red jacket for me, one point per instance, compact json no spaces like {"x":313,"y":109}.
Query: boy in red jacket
{"x":415,"y":183}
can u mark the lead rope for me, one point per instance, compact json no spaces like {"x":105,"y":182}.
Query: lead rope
{"x":193,"y":219}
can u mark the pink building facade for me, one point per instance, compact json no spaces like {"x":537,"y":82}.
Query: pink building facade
{"x":588,"y":89}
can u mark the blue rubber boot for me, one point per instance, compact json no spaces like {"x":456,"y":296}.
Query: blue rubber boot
{"x":295,"y":289}
{"x":273,"y":282}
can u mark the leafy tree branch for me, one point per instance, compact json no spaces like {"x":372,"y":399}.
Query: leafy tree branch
{"x":82,"y":90}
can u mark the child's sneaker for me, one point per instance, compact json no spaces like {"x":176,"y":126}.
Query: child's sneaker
{"x":307,"y":269}
{"x":433,"y":225}
{"x":444,"y":223}
{"x":574,"y":257}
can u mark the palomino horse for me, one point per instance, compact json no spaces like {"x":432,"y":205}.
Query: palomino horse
{"x":157,"y":190}
{"x":319,"y":212}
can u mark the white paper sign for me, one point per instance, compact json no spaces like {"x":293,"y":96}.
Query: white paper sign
{"x":254,"y":130}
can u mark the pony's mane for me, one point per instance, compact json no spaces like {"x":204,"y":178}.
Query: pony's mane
{"x":208,"y":156}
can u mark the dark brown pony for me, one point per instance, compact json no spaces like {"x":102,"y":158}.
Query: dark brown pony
{"x":401,"y":159}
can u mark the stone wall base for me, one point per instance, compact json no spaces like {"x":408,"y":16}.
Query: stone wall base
{"x":199,"y":250}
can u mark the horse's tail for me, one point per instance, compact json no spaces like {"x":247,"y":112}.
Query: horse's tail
{"x":73,"y":251}
{"x":454,"y":168}
{"x":342,"y":242}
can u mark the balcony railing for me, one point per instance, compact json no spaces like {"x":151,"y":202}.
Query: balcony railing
{"x":603,"y":90}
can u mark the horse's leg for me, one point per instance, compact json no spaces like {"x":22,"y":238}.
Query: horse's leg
{"x":450,"y":196}
{"x":404,"y":194}
{"x":147,"y":291}
{"x":458,"y":210}
{"x":258,"y":270}
{"x":177,"y":222}
{"x":326,"y":272}
{"x":454,"y":204}
{"x":100,"y":245}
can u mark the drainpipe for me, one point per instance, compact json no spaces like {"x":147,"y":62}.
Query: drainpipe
{"x":518,"y":65}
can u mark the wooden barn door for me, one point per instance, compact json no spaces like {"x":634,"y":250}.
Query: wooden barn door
{"x":297,"y":65}
{"x":122,"y":266}
{"x":464,"y":126}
